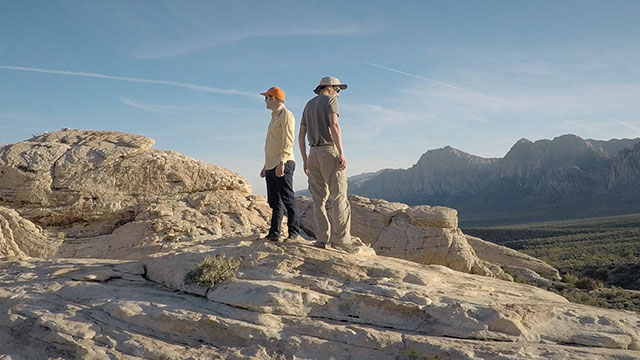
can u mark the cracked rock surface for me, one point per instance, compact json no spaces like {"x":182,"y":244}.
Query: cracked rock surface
{"x":291,"y":301}
{"x":109,"y":194}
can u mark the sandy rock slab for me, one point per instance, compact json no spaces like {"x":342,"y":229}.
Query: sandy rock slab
{"x":424,"y":234}
{"x":292,"y":301}
{"x":110,"y":194}
{"x":428,"y":235}
{"x":20,"y":238}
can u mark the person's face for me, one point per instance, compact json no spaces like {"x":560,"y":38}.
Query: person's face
{"x":335,"y":91}
{"x":270,"y":101}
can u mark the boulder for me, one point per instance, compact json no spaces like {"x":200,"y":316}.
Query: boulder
{"x":423,"y":234}
{"x":20,"y":238}
{"x":111,"y":195}
{"x":510,"y":258}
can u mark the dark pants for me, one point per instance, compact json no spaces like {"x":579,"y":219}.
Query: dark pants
{"x":280,"y":196}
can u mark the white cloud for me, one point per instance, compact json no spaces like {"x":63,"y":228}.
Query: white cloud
{"x":529,"y":68}
{"x":371,"y":114}
{"x":573,"y":125}
{"x":580,"y":100}
{"x":152,"y":107}
{"x":635,"y":128}
{"x":443,"y":84}
{"x":367,"y":121}
{"x":197,"y":42}
{"x":196,"y":87}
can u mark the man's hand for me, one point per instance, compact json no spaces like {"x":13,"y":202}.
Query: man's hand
{"x":342,"y":161}
{"x":262,"y":173}
{"x":280,"y":170}
{"x":306,"y":169}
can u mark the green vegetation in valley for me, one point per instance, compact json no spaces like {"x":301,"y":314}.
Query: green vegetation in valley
{"x":600,"y":257}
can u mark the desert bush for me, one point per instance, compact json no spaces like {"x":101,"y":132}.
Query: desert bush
{"x":213,"y":270}
{"x":569,"y":279}
{"x":588,"y":284}
{"x":592,"y":254}
{"x":517,"y":278}
{"x":584,"y":297}
{"x":506,"y":269}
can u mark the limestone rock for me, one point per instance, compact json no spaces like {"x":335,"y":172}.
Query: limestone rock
{"x":110,"y":194}
{"x":291,"y":300}
{"x":20,"y":238}
{"x":510,"y":258}
{"x":424,"y":234}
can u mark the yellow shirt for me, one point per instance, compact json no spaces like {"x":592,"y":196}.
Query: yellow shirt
{"x":279,"y":144}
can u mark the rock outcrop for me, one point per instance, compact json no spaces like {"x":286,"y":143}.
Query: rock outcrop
{"x":423,"y":234}
{"x":21,"y":239}
{"x":98,"y":231}
{"x":529,"y":268}
{"x":293,"y":301}
{"x":112,"y":195}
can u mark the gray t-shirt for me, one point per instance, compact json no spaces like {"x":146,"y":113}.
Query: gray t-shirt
{"x":316,"y":118}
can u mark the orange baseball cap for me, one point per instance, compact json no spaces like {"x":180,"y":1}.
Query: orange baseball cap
{"x":276,"y":92}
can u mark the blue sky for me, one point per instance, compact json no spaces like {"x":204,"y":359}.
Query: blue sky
{"x":475,"y":75}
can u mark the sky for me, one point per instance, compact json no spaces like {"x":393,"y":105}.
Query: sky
{"x":421,"y":75}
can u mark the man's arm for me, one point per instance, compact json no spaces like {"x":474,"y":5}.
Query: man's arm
{"x":336,"y":135}
{"x":286,"y":148}
{"x":303,"y":147}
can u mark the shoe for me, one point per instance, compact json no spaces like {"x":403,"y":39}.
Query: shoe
{"x":350,"y":248}
{"x":355,"y":246}
{"x":320,"y":244}
{"x":270,"y":238}
{"x":294,"y":237}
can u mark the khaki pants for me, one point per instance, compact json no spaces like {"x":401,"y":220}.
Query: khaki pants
{"x":325,"y":177}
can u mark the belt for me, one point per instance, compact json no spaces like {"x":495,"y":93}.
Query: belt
{"x":328,"y":144}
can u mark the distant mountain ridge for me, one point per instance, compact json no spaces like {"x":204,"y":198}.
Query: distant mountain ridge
{"x":567,"y":177}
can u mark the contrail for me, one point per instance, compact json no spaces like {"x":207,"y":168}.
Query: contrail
{"x":133,"y":79}
{"x":575,"y":124}
{"x":501,"y":101}
{"x":443,"y":84}
{"x":627,"y":125}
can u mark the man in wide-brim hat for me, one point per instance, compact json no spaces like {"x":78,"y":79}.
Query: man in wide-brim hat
{"x":325,"y":165}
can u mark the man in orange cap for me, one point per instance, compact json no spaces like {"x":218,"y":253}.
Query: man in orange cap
{"x":325,"y":165}
{"x":279,"y":165}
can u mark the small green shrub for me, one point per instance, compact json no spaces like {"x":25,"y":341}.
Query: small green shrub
{"x":588,"y":284}
{"x":517,"y":278}
{"x":506,"y":269}
{"x":569,"y":278}
{"x":213,"y":270}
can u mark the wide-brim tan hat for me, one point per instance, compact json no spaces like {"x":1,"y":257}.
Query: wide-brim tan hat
{"x":329,"y":81}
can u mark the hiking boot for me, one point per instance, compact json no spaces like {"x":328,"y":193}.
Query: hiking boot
{"x":294,"y":238}
{"x":350,"y":248}
{"x":270,"y":238}
{"x":355,"y":246}
{"x":320,"y":244}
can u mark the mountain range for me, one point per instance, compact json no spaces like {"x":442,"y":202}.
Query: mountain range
{"x":564,"y":178}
